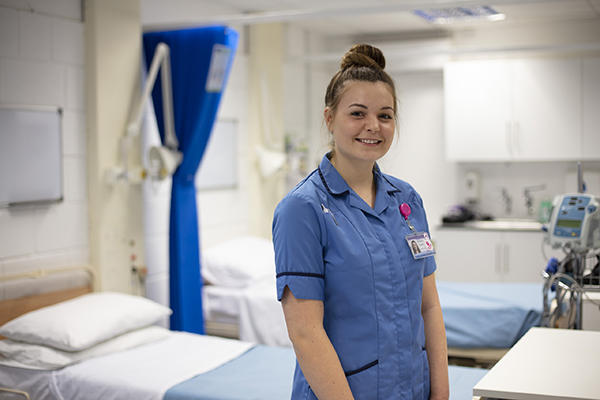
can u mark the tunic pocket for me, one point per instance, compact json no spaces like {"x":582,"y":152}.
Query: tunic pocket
{"x":363,"y":381}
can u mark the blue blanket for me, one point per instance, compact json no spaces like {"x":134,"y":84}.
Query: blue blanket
{"x":266,"y":373}
{"x":262,"y":372}
{"x":489,"y":314}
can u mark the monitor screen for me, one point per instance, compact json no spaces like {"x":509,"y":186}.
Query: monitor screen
{"x":569,"y":223}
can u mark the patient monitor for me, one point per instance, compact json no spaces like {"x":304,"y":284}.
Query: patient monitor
{"x":574,"y":227}
{"x":575,"y":222}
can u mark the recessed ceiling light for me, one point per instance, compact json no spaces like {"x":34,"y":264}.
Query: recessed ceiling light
{"x":459,"y":14}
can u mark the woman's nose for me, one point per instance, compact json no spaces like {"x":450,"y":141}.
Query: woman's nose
{"x":372,"y":124}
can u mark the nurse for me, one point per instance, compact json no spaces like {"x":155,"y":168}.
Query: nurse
{"x":361,"y":310}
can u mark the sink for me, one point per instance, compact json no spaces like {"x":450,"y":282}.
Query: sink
{"x":506,"y":224}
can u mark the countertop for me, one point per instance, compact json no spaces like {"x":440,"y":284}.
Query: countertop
{"x":526,"y":225}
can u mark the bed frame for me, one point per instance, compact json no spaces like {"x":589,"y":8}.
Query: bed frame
{"x":14,"y":307}
{"x":476,"y":357}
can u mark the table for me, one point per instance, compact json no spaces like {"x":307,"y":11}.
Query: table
{"x":546,"y":364}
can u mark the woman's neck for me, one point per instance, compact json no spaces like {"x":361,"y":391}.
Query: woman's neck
{"x":359,"y":176}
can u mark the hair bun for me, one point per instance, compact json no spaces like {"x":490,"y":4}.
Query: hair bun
{"x":363,"y":55}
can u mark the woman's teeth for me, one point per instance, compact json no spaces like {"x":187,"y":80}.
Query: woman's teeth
{"x":368,"y":141}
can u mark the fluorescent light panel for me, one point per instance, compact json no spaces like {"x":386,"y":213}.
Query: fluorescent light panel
{"x":459,"y":14}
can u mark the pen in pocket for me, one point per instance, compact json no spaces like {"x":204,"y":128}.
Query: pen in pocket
{"x":328,"y":211}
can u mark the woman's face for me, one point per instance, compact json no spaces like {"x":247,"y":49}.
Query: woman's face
{"x":363,"y":123}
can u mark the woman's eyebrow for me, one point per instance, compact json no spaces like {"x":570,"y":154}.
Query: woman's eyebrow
{"x":366,"y":108}
{"x":358,"y":105}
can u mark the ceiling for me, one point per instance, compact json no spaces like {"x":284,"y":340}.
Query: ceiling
{"x":358,"y":17}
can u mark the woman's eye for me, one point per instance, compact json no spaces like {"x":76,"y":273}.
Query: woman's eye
{"x":357,"y":113}
{"x":385,"y":116}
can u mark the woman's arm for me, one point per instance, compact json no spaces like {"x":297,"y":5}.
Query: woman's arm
{"x":435,"y":340}
{"x":315,"y":353}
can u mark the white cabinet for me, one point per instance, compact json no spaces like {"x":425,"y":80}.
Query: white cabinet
{"x":514,"y":109}
{"x":547,"y":108}
{"x":591,"y":108}
{"x":465,"y":255}
{"x":477,"y":110}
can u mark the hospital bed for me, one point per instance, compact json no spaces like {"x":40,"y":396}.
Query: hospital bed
{"x":483,"y":320}
{"x":161,"y":365}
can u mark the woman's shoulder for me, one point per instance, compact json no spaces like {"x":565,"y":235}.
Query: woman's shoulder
{"x":400,"y":184}
{"x":305,"y":195}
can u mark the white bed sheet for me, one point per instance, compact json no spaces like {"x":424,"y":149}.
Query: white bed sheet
{"x":142,"y":373}
{"x":261,"y":316}
{"x":221,"y":304}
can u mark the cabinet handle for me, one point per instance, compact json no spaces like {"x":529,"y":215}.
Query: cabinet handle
{"x":516,"y":132}
{"x":508,"y":137}
{"x":506,"y":256}
{"x":497,"y":259}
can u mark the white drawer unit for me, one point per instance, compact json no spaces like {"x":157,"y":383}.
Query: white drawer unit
{"x":468,"y":255}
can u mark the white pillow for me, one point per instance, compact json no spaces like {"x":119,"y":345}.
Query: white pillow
{"x":82,"y":322}
{"x":238,"y":262}
{"x":34,"y":356}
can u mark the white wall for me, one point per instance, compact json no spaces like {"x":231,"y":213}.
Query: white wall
{"x":42,"y":63}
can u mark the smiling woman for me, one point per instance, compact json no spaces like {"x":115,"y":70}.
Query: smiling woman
{"x":362,"y":126}
{"x":361,"y":309}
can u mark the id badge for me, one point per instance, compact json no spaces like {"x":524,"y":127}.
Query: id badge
{"x":420,"y":245}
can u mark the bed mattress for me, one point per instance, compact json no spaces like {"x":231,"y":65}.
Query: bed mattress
{"x":492,"y":315}
{"x":141,"y":373}
{"x":221,"y":304}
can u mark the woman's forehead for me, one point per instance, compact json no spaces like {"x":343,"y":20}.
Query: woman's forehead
{"x":375,"y":93}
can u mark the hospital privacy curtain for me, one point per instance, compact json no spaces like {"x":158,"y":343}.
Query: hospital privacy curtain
{"x":200,"y":59}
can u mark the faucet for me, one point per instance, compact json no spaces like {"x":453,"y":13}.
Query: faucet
{"x":507,"y":201}
{"x":529,"y":198}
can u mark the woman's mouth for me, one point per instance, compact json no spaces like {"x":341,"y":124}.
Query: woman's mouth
{"x":369,"y":141}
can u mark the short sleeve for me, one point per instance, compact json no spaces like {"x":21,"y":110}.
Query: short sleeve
{"x":297,"y":234}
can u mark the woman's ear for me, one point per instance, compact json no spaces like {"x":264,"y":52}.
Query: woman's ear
{"x":328,"y":116}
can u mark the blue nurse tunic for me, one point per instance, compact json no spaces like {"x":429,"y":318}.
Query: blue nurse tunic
{"x":331,"y":246}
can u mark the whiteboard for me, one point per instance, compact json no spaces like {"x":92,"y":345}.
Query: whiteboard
{"x":30,"y":155}
{"x":218,"y":168}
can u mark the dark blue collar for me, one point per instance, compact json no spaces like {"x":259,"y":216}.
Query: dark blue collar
{"x":336,"y":185}
{"x":332,"y":180}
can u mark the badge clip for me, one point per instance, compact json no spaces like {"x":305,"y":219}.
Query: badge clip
{"x":405,"y":211}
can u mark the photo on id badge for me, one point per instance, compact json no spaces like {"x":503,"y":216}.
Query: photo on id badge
{"x":420,"y":245}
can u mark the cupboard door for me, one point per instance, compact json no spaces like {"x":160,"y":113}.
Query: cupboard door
{"x":477,"y":111}
{"x":547,"y":109}
{"x":591,"y":108}
{"x":467,"y":256}
{"x":523,"y":260}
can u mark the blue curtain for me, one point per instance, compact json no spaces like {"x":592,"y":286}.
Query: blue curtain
{"x":201,"y":59}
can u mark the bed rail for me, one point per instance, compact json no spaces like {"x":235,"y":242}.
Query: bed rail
{"x":41,"y":273}
{"x":15,"y":391}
